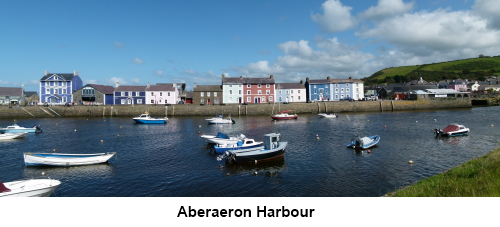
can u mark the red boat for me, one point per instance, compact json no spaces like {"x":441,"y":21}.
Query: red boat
{"x":283,"y":115}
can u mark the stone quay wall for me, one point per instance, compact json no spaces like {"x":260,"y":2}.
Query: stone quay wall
{"x":233,"y":109}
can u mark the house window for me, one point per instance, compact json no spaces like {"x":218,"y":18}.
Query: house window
{"x":201,"y":94}
{"x":64,"y":91}
{"x":230,"y":85}
{"x":230,"y":99}
{"x":298,"y":91}
{"x":347,"y":90}
{"x":298,"y":97}
{"x":64,"y":99}
{"x":48,"y":91}
{"x":315,"y":91}
{"x":248,"y":85}
{"x":286,"y":92}
{"x":270,"y":98}
{"x":55,"y":91}
{"x":263,"y":99}
{"x":136,"y":93}
{"x":342,"y":90}
{"x":168,"y":94}
{"x":239,"y":92}
{"x":259,"y":85}
{"x":208,"y":94}
{"x":63,"y":84}
{"x":202,"y":101}
{"x":259,"y":92}
{"x":314,"y":86}
{"x":230,"y":92}
{"x":291,"y":91}
{"x":281,"y":92}
{"x":123,"y":101}
{"x":215,"y":94}
{"x":268,"y":92}
{"x":161,"y":94}
{"x":347,"y":85}
{"x":268,"y":86}
{"x":336,"y":90}
{"x":152,"y":94}
{"x":248,"y":92}
{"x":326,"y":90}
{"x":280,"y":98}
{"x":336,"y":96}
{"x":248,"y":99}
{"x":152,"y":101}
{"x":139,"y":101}
{"x":122,"y":94}
{"x":336,"y":85}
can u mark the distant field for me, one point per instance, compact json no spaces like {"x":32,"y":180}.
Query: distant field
{"x":403,"y":70}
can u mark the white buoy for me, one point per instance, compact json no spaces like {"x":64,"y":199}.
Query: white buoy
{"x":102,"y":141}
{"x":255,"y":173}
{"x":410,"y":162}
{"x":43,"y":173}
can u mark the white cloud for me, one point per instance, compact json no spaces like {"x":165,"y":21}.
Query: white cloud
{"x":335,"y":17}
{"x":387,"y":8}
{"x":90,"y":82}
{"x":158,"y":73}
{"x":440,"y":30}
{"x":489,"y":9}
{"x":190,"y":72}
{"x":119,"y":45}
{"x":138,"y":61}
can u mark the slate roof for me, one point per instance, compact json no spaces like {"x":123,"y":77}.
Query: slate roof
{"x":337,"y":81}
{"x":130,"y":88}
{"x":244,"y":80}
{"x":319,"y":81}
{"x":290,"y":86}
{"x":30,"y":93}
{"x":202,"y":88}
{"x":160,"y":88}
{"x":105,"y":89}
{"x":11,"y":91}
{"x":65,"y":76}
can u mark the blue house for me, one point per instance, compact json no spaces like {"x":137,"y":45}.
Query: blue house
{"x":58,"y":88}
{"x":129,"y":95}
{"x":318,"y":90}
{"x":347,"y":89}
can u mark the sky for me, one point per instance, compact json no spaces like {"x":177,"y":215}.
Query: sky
{"x":134,"y":42}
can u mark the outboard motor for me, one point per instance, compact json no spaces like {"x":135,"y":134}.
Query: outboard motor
{"x":38,"y":128}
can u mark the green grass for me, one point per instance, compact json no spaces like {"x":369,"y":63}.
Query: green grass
{"x":397,"y":71}
{"x":479,"y":177}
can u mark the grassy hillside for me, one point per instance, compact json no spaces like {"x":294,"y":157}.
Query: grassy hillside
{"x":473,"y":68}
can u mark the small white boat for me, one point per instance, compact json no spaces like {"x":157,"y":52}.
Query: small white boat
{"x":284,"y":115}
{"x":59,"y":159}
{"x":242,"y":144}
{"x":14,"y":135}
{"x":452,"y":130}
{"x":328,"y":115}
{"x":28,"y":188}
{"x":364,"y":142}
{"x":219,"y":119}
{"x":145,"y":118}
{"x":272,"y":148}
{"x":17,"y":128}
{"x":222,"y":138}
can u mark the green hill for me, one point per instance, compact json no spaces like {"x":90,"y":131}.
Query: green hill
{"x":473,"y":68}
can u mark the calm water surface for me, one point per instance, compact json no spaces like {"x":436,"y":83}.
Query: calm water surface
{"x":172,"y":159}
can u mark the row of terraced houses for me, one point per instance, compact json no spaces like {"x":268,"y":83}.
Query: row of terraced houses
{"x":63,"y":88}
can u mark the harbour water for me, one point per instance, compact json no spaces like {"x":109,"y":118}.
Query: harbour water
{"x":167,"y":160}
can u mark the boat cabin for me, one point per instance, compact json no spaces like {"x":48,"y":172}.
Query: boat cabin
{"x":271,"y":140}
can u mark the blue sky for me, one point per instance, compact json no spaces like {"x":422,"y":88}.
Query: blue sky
{"x":135,"y":42}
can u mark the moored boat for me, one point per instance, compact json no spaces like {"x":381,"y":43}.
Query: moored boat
{"x":364,"y":142}
{"x":284,"y":115}
{"x":17,"y":128}
{"x":219,"y":119}
{"x":145,"y":118}
{"x":452,"y":130}
{"x":240,"y":145}
{"x":29,"y":188}
{"x":273,"y":148}
{"x":328,"y":115}
{"x":60,"y":159}
{"x":13,"y":135}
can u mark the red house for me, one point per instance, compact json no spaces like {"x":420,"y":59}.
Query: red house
{"x":258,"y":90}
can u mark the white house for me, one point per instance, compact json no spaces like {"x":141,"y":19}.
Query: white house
{"x":162,"y":94}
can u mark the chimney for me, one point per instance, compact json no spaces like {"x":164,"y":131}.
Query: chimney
{"x":350,"y":78}
{"x":194,"y":85}
{"x":117,"y":84}
{"x":328,"y":77}
{"x":301,"y":81}
{"x":223,"y":76}
{"x":75,"y":73}
{"x":241,"y":77}
{"x":148,"y":85}
{"x":174,"y":85}
{"x":307,"y":79}
{"x":272,"y":76}
{"x":47,"y":73}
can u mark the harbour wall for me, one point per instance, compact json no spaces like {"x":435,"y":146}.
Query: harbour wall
{"x":233,"y":109}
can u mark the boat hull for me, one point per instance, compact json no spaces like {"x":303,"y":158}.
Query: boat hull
{"x":10,"y":135}
{"x":284,"y":118}
{"x":54,"y":159}
{"x":253,"y":155}
{"x":31,"y":188}
{"x":324,"y":115}
{"x":240,"y":148}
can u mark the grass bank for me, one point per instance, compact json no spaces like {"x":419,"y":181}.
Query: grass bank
{"x":479,"y":177}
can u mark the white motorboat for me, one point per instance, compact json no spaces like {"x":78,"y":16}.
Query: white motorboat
{"x":284,"y":115}
{"x":59,"y":159}
{"x":219,"y":119}
{"x":145,"y":118}
{"x":452,"y":130}
{"x":29,"y":188}
{"x":272,"y":148}
{"x":14,"y":135}
{"x":328,"y":115}
{"x":242,"y":144}
{"x":364,"y":142}
{"x":17,"y":128}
